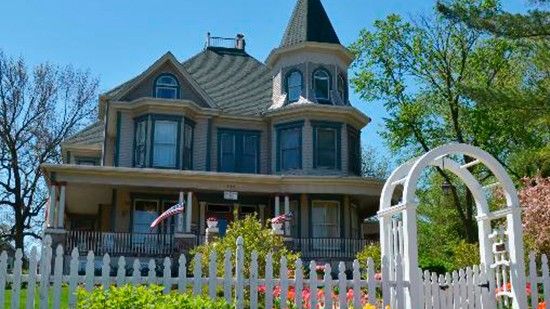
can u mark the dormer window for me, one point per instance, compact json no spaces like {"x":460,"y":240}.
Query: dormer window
{"x":167,"y":87}
{"x":321,"y":85}
{"x":294,"y":83}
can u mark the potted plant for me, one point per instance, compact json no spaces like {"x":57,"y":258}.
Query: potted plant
{"x":212,"y":222}
{"x":277,"y":225}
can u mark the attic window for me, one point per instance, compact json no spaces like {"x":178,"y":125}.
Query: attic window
{"x":294,"y":85}
{"x":167,"y":87}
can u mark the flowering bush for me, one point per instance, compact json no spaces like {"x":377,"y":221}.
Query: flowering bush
{"x":306,"y":297}
{"x":535,"y":200}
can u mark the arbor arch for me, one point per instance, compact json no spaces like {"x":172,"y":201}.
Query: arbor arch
{"x":405,"y":211}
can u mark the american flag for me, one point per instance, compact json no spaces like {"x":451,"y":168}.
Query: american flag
{"x":172,"y":211}
{"x":283,"y":218}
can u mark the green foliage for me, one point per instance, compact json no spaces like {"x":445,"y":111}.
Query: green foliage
{"x":147,"y":297}
{"x":256,"y":238}
{"x":370,"y":251}
{"x":465,"y":254}
{"x":372,"y":165}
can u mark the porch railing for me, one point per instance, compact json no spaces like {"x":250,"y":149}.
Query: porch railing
{"x":328,"y":248}
{"x":120,"y":244}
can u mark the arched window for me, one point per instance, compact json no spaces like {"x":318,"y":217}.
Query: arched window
{"x":294,"y":83}
{"x":321,"y":85}
{"x":342,"y":87}
{"x":167,"y":87}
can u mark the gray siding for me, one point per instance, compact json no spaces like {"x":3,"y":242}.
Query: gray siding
{"x":200,"y":145}
{"x":126,"y":143}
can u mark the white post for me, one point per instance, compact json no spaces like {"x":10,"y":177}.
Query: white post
{"x":61,"y":208}
{"x":51,"y":206}
{"x":410,"y":258}
{"x":287,"y":210}
{"x":517,"y":259}
{"x":189,"y":212}
{"x":277,"y":206}
{"x":179,"y":226}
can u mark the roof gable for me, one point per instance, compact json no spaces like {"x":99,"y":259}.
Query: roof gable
{"x":142,"y":85}
{"x":309,"y":23}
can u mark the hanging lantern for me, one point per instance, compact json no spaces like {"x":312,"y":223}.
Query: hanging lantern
{"x":446,"y":187}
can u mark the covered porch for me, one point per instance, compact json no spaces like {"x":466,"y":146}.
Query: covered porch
{"x":109,"y":210}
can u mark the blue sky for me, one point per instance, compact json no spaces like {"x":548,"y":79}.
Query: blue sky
{"x":116,"y":40}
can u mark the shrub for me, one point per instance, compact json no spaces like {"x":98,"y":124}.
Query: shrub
{"x":256,"y":238}
{"x":370,"y":251}
{"x":465,"y":255}
{"x":150,"y":297}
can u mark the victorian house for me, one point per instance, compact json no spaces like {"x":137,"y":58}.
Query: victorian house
{"x":230,"y":136}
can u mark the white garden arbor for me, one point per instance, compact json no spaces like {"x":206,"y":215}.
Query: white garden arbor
{"x":501,"y":250}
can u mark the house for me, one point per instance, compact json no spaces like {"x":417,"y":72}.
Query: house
{"x":229,"y":136}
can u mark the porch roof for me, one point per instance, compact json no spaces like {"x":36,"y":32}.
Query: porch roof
{"x":211,"y":181}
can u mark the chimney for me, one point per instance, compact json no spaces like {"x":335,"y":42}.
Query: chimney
{"x":240,"y":43}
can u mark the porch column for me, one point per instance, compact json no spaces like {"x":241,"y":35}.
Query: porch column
{"x":61,"y":208}
{"x":189,"y":212}
{"x":179,"y":226}
{"x":202,"y":217}
{"x":287,"y":210}
{"x":277,"y":206}
{"x":51,"y":206}
{"x":262,"y":213}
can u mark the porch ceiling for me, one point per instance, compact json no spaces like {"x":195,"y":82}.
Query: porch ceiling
{"x":212,"y":181}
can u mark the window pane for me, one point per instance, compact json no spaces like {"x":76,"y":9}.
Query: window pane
{"x":326,"y":219}
{"x":227,"y":151}
{"x":145,"y":212}
{"x":326,"y":138}
{"x":167,"y":80}
{"x":290,"y":155}
{"x":140,"y":144}
{"x":165,"y":143}
{"x":249,"y":158}
{"x":167,"y":93}
{"x":294,"y":85}
{"x":326,"y":148}
{"x":321,"y":84}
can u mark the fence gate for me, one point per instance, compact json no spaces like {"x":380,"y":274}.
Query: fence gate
{"x":502,"y":269}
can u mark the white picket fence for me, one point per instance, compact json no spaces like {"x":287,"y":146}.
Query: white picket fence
{"x":463,"y":289}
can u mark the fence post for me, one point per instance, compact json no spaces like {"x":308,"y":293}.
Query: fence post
{"x":121,"y":271}
{"x":90,"y":271}
{"x":269,"y":280}
{"x":57,"y":276}
{"x":32,"y":279}
{"x":371,"y":281}
{"x":239,"y":273}
{"x":283,"y":276}
{"x":182,"y":273}
{"x":254,"y":280}
{"x":228,"y":276}
{"x":16,"y":284}
{"x":73,"y":278}
{"x":313,"y":284}
{"x":356,"y":285}
{"x":197,"y":274}
{"x":167,"y":275}
{"x":545,"y":280}
{"x":106,"y":272}
{"x":3,"y":275}
{"x":45,"y":271}
{"x":328,"y":286}
{"x":342,"y":286}
{"x":212,"y":274}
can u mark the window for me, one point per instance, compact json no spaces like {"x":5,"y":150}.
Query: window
{"x":354,"y":218}
{"x":238,"y":151}
{"x":165,"y":143}
{"x":342,"y":87}
{"x":325,"y":217}
{"x":140,"y":142}
{"x":145,"y":212}
{"x":294,"y":83}
{"x":354,"y":151}
{"x":188,"y":145}
{"x":326,"y":147}
{"x":289,"y":145}
{"x":321,"y":85}
{"x":167,"y":87}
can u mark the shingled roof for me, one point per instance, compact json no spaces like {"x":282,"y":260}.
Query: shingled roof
{"x":91,"y":135}
{"x":238,"y":83}
{"x":309,"y":23}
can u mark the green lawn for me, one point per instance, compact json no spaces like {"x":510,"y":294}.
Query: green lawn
{"x":23,"y":298}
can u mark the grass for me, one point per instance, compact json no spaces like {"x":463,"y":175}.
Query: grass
{"x":23,"y":298}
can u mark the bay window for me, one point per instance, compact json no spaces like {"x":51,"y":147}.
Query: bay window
{"x":325,"y":217}
{"x":354,"y":151}
{"x":321,"y":85}
{"x":294,"y":83}
{"x":326,"y":145}
{"x":289,"y":146}
{"x":238,"y":151}
{"x":165,"y":143}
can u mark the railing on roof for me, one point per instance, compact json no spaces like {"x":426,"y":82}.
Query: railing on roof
{"x":218,"y":41}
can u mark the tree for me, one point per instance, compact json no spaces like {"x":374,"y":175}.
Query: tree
{"x":419,"y":68}
{"x":535,"y":200}
{"x":372,"y":165}
{"x":530,"y":101}
{"x":39,"y":109}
